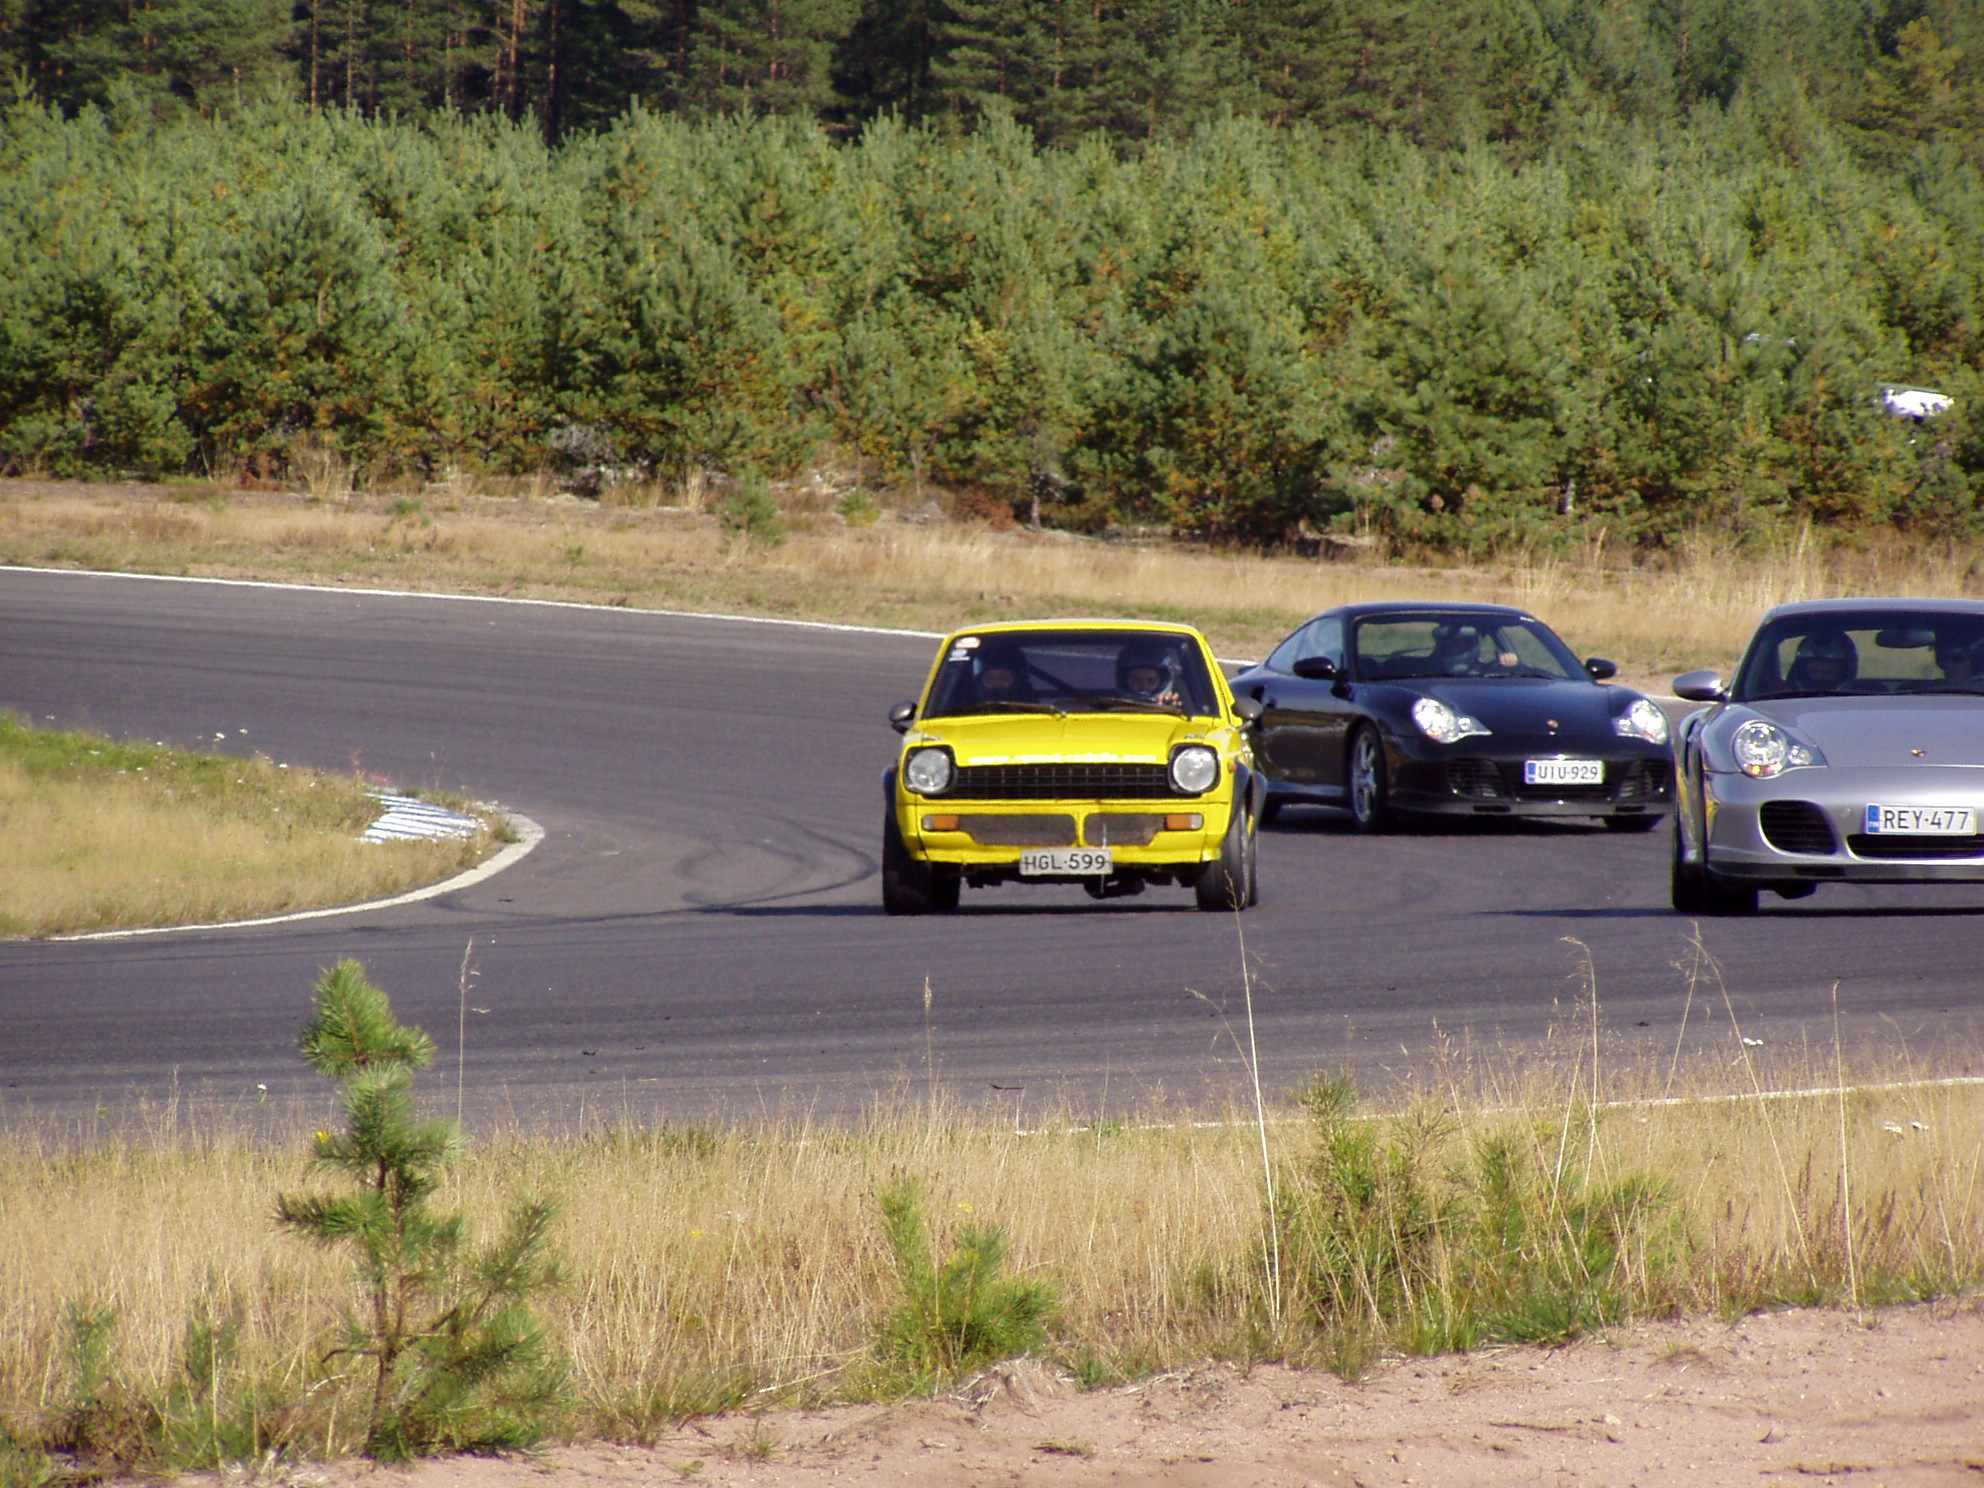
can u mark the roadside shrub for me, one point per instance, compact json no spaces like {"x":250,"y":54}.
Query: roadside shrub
{"x":1394,"y":1239}
{"x":458,"y":1362}
{"x":961,"y":1314}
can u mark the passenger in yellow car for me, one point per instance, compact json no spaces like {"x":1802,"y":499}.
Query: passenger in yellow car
{"x":1146,"y":674}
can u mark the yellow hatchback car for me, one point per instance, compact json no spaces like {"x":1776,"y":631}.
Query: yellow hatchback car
{"x":1105,"y":753}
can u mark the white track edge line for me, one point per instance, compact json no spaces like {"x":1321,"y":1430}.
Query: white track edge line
{"x":550,"y":604}
{"x":529,"y":834}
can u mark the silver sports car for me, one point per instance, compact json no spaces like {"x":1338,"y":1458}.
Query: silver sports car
{"x":1849,"y":748}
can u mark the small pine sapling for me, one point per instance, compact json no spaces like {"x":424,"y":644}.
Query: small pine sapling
{"x":459,"y":1364}
{"x":961,"y":1314}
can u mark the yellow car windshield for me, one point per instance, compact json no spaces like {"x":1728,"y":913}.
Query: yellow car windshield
{"x":1072,"y":671}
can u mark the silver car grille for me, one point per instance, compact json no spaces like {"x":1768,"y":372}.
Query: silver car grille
{"x":1797,"y":827}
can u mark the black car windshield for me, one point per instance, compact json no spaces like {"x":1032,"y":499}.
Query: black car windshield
{"x":1072,"y":671}
{"x":1839,"y":653}
{"x":1457,"y":643}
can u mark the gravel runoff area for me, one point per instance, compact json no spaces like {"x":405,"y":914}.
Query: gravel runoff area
{"x":1893,"y":1399}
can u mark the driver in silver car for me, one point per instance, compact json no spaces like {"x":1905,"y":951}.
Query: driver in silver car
{"x":1826,"y":662}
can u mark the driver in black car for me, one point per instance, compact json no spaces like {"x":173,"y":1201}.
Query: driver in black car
{"x":1455,"y":648}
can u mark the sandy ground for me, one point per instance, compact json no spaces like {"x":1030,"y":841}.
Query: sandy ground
{"x":1872,"y":1400}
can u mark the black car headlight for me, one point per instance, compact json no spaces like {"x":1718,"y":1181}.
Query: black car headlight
{"x":1643,"y":719}
{"x":1194,"y":769}
{"x":929,"y":771}
{"x":1443,"y":725}
{"x":1764,"y":750}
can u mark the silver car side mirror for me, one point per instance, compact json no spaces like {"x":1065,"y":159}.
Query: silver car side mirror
{"x":1701,"y":687}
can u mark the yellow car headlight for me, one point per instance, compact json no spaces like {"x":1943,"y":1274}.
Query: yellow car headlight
{"x":929,"y":771}
{"x":1194,"y":769}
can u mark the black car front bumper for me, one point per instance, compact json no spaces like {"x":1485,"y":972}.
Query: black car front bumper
{"x":1455,"y":784}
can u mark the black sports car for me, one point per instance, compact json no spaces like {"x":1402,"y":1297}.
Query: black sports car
{"x":1455,"y":709}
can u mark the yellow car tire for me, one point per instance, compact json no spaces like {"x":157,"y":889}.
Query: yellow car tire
{"x":909,"y":885}
{"x":1227,"y":882}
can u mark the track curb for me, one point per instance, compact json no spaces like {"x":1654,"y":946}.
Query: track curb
{"x":528,"y":833}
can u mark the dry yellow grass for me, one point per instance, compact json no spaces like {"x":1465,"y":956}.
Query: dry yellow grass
{"x":1691,"y":609}
{"x":712,"y":1264}
{"x":115,"y":836}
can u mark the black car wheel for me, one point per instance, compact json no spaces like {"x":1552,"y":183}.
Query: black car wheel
{"x":1253,"y":863}
{"x":1644,"y":823}
{"x":909,"y":886}
{"x":1695,"y":889}
{"x":1227,"y":882}
{"x":1370,"y":792}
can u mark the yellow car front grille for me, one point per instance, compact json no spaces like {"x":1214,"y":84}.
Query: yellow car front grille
{"x":1031,"y":829}
{"x":1061,"y":782}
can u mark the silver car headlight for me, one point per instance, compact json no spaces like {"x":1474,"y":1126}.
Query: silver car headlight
{"x":1194,"y":769}
{"x":1643,"y":720}
{"x":929,"y":772}
{"x":1442,"y":725}
{"x":1763,"y":750}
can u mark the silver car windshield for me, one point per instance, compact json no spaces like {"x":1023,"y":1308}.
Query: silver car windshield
{"x":1072,"y":671}
{"x":1863,"y":653}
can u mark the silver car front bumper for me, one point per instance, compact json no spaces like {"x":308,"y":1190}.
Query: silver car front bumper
{"x":1810,"y":825}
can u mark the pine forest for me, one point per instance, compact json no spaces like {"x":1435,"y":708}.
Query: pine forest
{"x":1468,"y":275}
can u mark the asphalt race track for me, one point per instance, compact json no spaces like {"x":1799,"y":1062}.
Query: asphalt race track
{"x":699,"y":935}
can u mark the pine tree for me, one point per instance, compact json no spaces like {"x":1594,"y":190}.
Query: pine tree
{"x":660,"y":36}
{"x":1163,"y":67}
{"x":883,"y":63}
{"x":458,"y":1363}
{"x":208,"y":54}
{"x":1914,"y":94}
{"x":393,"y":57}
{"x":987,"y":61}
{"x":763,"y":56}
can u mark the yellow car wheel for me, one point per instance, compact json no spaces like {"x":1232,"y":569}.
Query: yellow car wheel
{"x":1227,"y":882}
{"x":910,"y":886}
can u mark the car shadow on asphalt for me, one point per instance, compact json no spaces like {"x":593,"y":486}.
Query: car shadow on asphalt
{"x":1807,"y":910}
{"x":1784,"y":910}
{"x":966,"y":909}
{"x":1586,"y":912}
{"x":1330,"y":821}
